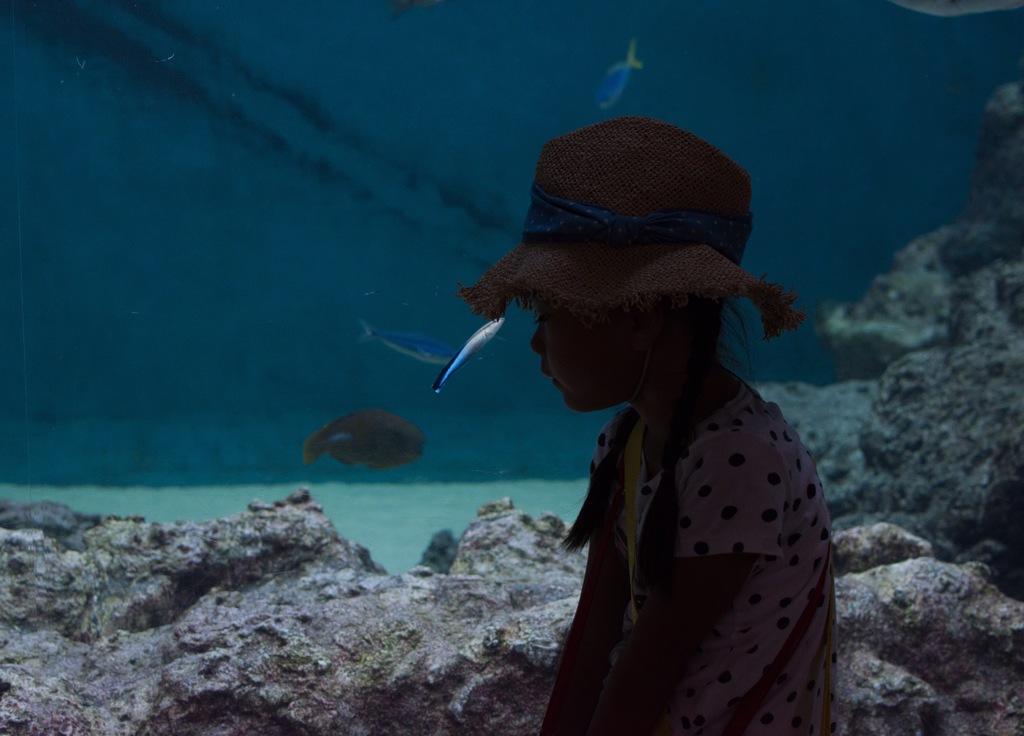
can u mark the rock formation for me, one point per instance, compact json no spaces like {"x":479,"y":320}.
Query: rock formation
{"x":912,"y":307}
{"x":267,"y":622}
{"x":941,"y":338}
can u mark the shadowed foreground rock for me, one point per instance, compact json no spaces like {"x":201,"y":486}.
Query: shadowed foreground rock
{"x":928,"y":648}
{"x":289,"y":629}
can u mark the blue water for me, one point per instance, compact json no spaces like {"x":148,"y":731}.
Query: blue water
{"x":201,"y":200}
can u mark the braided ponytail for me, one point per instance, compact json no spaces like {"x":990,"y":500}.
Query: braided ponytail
{"x":657,"y":545}
{"x":603,"y":479}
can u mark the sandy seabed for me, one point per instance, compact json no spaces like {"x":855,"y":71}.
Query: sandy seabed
{"x":395,"y":521}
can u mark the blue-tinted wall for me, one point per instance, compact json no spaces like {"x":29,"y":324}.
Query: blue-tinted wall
{"x":201,"y":200}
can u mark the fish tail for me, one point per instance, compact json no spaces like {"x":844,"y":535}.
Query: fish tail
{"x":312,"y":448}
{"x":368,"y":332}
{"x":631,"y":60}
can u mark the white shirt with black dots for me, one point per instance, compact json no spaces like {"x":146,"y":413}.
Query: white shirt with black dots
{"x":747,"y":484}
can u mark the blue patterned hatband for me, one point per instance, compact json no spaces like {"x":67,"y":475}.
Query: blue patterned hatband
{"x":554,"y":220}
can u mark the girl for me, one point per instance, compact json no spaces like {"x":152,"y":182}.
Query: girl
{"x":706,"y":604}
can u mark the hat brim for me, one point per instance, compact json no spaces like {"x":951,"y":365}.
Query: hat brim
{"x":636,"y":278}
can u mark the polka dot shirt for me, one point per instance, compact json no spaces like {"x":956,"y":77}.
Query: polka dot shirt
{"x":747,"y":484}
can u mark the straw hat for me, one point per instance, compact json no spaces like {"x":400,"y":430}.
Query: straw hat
{"x":626,"y":213}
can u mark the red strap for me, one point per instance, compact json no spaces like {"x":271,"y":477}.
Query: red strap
{"x":579,"y":623}
{"x":752,"y":701}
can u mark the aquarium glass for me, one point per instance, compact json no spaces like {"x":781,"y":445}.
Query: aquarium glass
{"x":202,"y":203}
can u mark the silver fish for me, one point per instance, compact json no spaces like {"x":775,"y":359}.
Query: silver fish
{"x":957,"y":7}
{"x":479,"y":338}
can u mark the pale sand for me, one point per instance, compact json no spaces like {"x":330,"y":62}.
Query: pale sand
{"x":394,"y":521}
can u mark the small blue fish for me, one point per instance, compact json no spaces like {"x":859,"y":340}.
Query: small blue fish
{"x":412,"y":344}
{"x":478,"y":339}
{"x":618,"y":75}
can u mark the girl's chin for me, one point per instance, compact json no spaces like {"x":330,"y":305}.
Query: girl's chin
{"x":582,"y":407}
{"x":569,"y":400}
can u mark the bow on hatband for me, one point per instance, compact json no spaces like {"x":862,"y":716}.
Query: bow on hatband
{"x":555,"y":220}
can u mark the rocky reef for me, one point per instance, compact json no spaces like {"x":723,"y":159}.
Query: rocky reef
{"x":934,"y":354}
{"x":922,"y":302}
{"x":267,"y":622}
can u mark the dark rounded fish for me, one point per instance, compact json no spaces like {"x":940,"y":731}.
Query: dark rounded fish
{"x":372,"y":437}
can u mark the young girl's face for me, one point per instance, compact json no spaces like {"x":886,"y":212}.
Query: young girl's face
{"x":594,"y":366}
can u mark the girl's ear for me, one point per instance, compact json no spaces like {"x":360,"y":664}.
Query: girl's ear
{"x":647,"y":328}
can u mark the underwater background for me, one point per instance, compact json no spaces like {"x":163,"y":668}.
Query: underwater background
{"x":202,"y":200}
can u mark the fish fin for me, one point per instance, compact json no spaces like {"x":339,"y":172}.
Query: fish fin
{"x":631,"y":60}
{"x":342,"y":460}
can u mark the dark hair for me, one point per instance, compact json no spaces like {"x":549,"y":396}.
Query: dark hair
{"x":656,"y":550}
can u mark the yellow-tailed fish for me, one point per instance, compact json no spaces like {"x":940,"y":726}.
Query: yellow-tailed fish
{"x":618,"y":75}
{"x":478,"y":339}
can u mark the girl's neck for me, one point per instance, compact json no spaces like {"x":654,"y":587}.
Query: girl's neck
{"x":656,"y":406}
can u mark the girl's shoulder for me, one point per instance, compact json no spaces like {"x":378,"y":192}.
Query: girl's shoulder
{"x":752,"y":428}
{"x":611,"y":430}
{"x":746,"y":411}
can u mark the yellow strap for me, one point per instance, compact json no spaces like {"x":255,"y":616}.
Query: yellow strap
{"x":630,"y":477}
